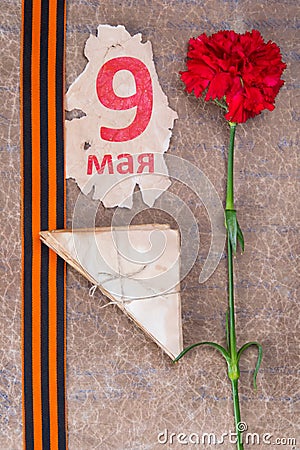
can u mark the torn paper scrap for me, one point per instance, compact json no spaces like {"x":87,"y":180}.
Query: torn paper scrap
{"x":125,"y":120}
{"x":137,"y":267}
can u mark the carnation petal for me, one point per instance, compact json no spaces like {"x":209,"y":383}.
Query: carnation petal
{"x":219,"y":86}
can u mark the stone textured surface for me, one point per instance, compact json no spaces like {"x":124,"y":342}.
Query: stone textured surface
{"x":122,"y":390}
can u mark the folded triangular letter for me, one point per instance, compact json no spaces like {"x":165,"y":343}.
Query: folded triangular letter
{"x":137,"y":267}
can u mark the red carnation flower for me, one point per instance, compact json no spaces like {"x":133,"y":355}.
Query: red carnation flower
{"x":239,"y":69}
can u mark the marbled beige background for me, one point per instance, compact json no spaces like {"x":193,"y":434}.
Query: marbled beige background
{"x":121,"y":389}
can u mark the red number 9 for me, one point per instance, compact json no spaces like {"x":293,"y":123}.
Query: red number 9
{"x":142,"y":99}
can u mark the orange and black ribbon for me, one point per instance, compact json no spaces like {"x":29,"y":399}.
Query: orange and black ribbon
{"x":43,"y":207}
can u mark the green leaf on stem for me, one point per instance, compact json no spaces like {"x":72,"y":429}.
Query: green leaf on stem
{"x":259,"y":358}
{"x":240,"y":237}
{"x":232,"y":227}
{"x":218,"y":347}
{"x":234,"y":230}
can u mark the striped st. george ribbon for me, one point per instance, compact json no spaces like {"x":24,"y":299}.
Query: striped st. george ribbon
{"x":43,"y":207}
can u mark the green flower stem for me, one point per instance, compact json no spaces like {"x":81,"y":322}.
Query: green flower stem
{"x":229,"y":193}
{"x":232,"y":335}
{"x":237,"y":414}
{"x":230,"y":206}
{"x":233,"y":367}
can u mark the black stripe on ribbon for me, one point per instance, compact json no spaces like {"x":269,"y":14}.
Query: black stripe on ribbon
{"x":60,"y":219}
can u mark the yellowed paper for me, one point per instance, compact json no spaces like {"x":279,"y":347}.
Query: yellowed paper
{"x":135,"y":267}
{"x":83,"y":136}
